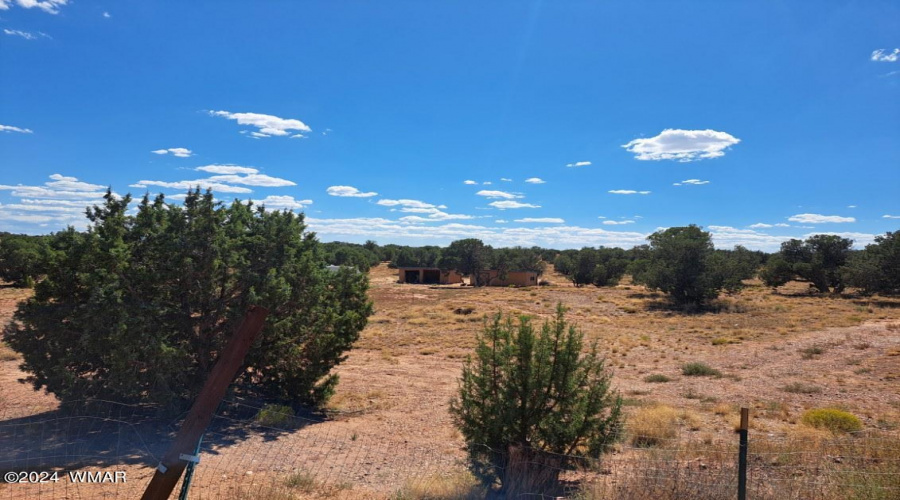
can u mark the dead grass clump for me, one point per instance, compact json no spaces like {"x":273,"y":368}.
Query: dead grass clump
{"x":655,"y":425}
{"x":812,"y":352}
{"x":657,"y":378}
{"x":458,"y":486}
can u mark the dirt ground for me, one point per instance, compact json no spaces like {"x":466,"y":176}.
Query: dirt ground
{"x":779,"y":354}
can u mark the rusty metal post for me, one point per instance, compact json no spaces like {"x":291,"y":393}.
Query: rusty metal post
{"x":182,"y":450}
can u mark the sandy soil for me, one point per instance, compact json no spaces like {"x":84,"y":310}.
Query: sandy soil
{"x":389,"y":422}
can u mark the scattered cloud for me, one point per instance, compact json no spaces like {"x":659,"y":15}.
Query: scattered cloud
{"x":692,"y":182}
{"x":542,"y":220}
{"x":106,"y":15}
{"x":48,"y":6}
{"x":26,"y":34}
{"x":501,"y":221}
{"x":556,"y":236}
{"x":617,"y":222}
{"x":760,"y":225}
{"x":58,"y":203}
{"x":198,"y":183}
{"x":578,"y":164}
{"x":179,"y":152}
{"x":227,"y":169}
{"x":504,"y":179}
{"x":503,"y":205}
{"x":267,"y":125}
{"x":819,"y":219}
{"x":10,"y":128}
{"x":274,"y":202}
{"x":470,"y":182}
{"x":886,"y":216}
{"x":535,"y":180}
{"x":497,"y":194}
{"x":349,"y":192}
{"x":487,"y":183}
{"x":881,"y":56}
{"x":229,"y":179}
{"x":627,"y":191}
{"x":682,"y":145}
{"x":851,"y":206}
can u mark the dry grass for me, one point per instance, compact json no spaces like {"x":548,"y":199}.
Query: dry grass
{"x":459,"y":486}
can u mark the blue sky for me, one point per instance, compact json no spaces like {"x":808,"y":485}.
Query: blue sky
{"x":560,"y":124}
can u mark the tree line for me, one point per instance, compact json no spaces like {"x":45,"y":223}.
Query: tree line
{"x":680,"y":261}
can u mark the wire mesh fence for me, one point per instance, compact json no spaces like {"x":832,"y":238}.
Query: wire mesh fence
{"x":257,"y":451}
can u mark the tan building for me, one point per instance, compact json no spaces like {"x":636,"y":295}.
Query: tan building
{"x":491,"y":277}
{"x":428,"y":276}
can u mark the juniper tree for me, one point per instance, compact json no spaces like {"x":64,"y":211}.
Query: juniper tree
{"x":536,"y":396}
{"x":139,"y":307}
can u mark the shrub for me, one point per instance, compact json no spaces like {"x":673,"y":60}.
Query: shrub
{"x":528,"y":401}
{"x":837,"y":421}
{"x":656,"y":378}
{"x":138,"y":307}
{"x":698,"y":369}
{"x":682,"y":262}
{"x":272,"y":415}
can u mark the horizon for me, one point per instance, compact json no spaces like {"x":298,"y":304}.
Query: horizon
{"x":521,"y":124}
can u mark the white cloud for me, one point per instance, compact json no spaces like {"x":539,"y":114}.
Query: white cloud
{"x":227,"y":169}
{"x":692,"y":182}
{"x":819,"y":219}
{"x":268,"y":125}
{"x":617,"y":223}
{"x":501,"y":221}
{"x":627,"y":191}
{"x":556,"y":236}
{"x":54,"y":205}
{"x":433,"y":216}
{"x":469,"y":182}
{"x":26,"y":34}
{"x":106,"y":15}
{"x":682,"y":145}
{"x":10,"y":128}
{"x":886,"y":216}
{"x":504,"y":179}
{"x":348,"y":191}
{"x":505,"y":204}
{"x":198,"y":183}
{"x":282,"y":202}
{"x":881,"y":56}
{"x":224,"y":182}
{"x":261,"y":180}
{"x":179,"y":152}
{"x":408,"y":205}
{"x":48,"y":6}
{"x":578,"y":164}
{"x":487,"y":183}
{"x":542,"y":220}
{"x":497,"y":194}
{"x":760,"y":225}
{"x":535,"y":180}
{"x":851,"y":206}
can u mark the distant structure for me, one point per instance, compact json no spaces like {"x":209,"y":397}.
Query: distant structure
{"x":492,"y":277}
{"x":333,"y":268}
{"x":428,"y":276}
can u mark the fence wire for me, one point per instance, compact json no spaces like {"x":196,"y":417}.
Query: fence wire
{"x":251,"y":451}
